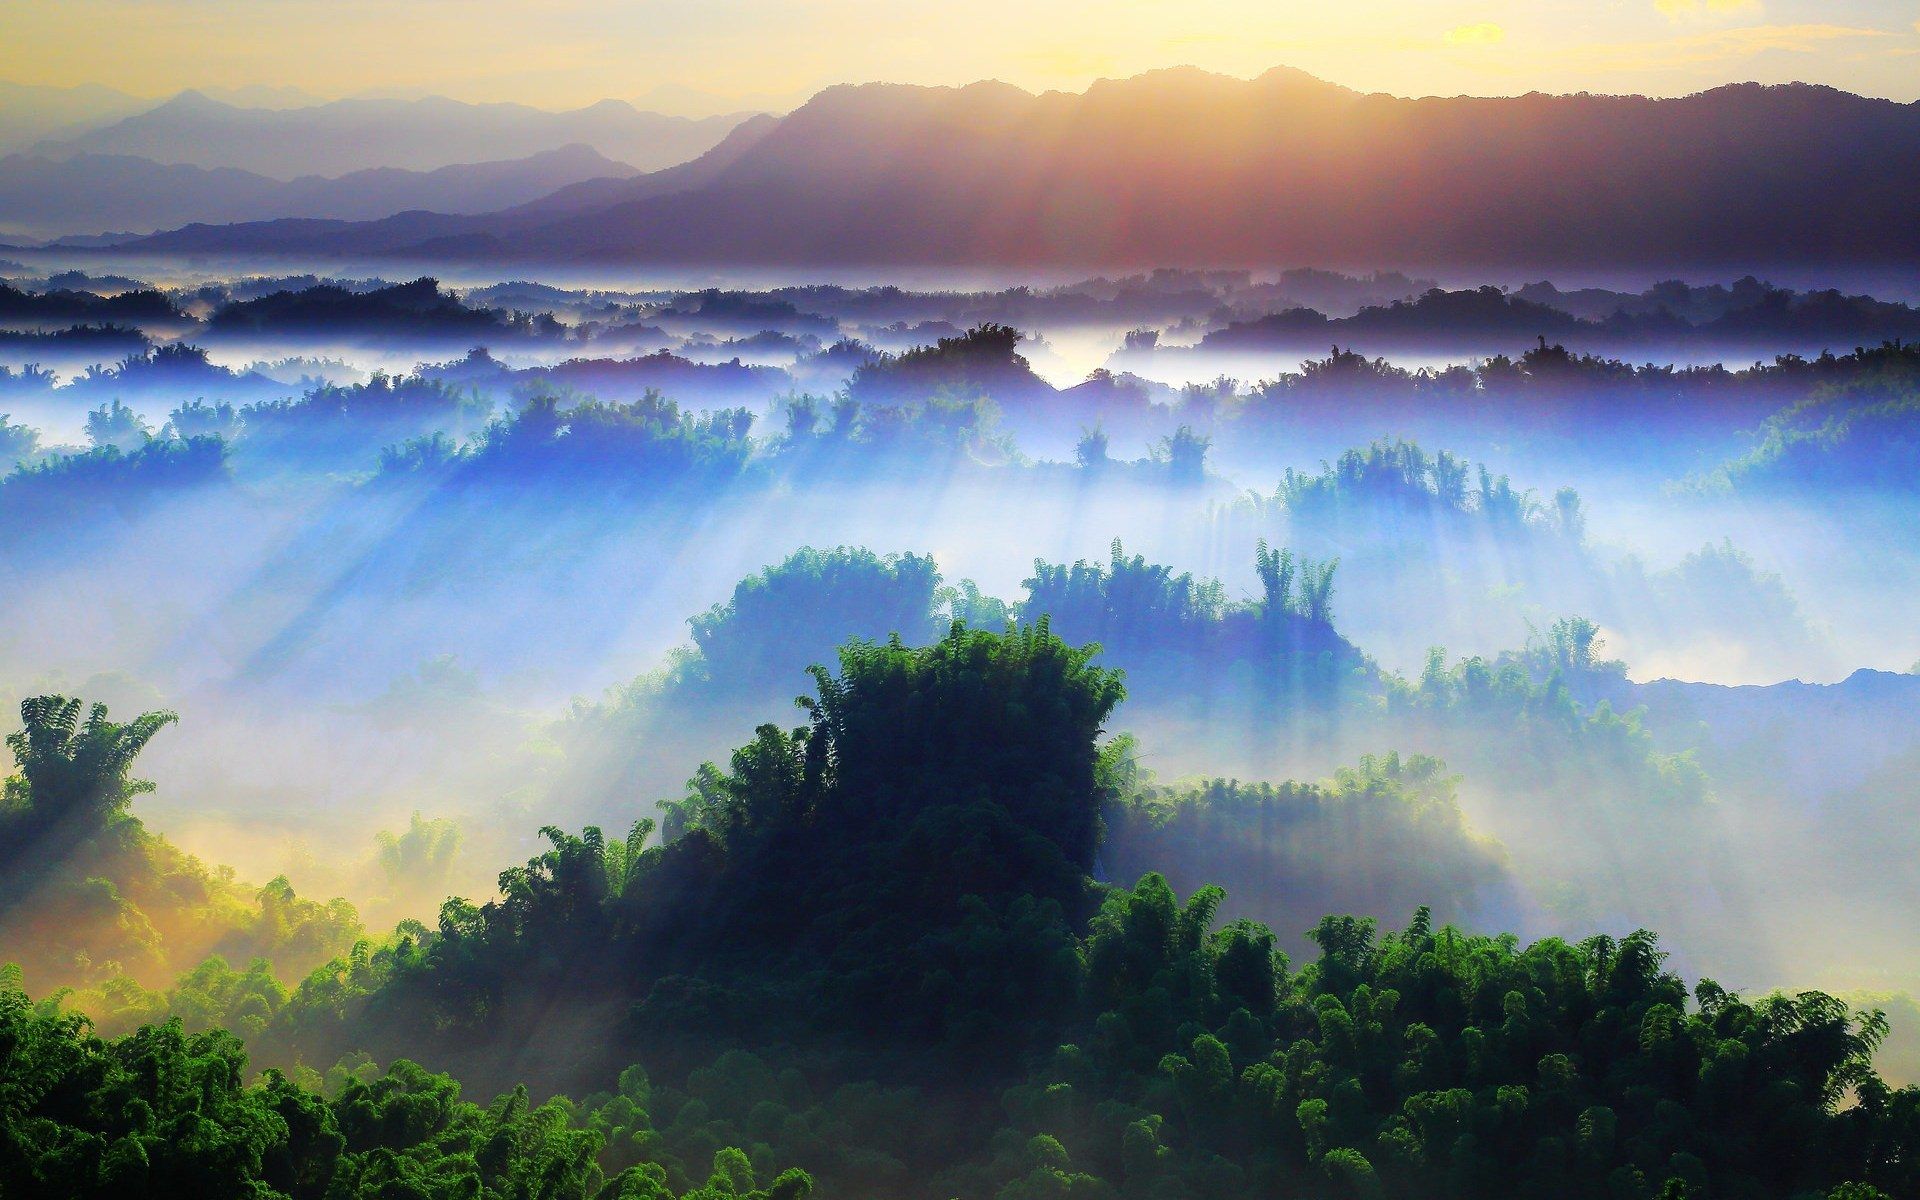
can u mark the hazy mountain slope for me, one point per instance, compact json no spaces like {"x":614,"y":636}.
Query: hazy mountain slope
{"x":601,"y":193}
{"x":93,"y":192}
{"x":30,"y":112}
{"x":410,"y":230}
{"x":357,"y":134}
{"x":1807,"y":736}
{"x":1185,"y":167}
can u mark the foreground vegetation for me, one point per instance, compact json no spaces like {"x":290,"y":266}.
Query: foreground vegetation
{"x":951,"y":936}
{"x":875,"y":946}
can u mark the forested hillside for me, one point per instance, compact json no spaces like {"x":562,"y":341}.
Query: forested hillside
{"x":898,"y":899}
{"x":1222,"y":770}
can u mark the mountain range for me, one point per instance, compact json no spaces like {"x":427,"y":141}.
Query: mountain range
{"x":47,"y":197}
{"x":358,"y":134}
{"x":31,"y":112}
{"x":1185,"y":167}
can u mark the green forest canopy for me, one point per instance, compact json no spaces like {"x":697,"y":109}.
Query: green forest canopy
{"x":897,"y":895}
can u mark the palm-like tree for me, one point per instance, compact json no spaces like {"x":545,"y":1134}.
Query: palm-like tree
{"x":74,"y":779}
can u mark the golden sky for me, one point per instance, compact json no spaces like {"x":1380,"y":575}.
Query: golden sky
{"x":762,"y":53}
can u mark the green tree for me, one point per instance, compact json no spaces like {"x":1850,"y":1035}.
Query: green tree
{"x":73,"y":780}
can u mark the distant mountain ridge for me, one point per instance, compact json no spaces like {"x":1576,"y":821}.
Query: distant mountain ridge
{"x":91,"y":193}
{"x":604,"y":192}
{"x":30,"y":112}
{"x":1184,"y":167}
{"x":342,"y":136}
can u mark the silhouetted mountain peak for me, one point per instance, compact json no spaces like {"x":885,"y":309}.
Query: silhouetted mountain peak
{"x":190,"y":101}
{"x":571,"y":154}
{"x":752,"y":129}
{"x":610,"y":107}
{"x":1294,"y":79}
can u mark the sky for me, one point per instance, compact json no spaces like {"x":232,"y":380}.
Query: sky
{"x":725,"y":54}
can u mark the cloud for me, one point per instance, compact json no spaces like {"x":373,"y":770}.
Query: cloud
{"x":1688,"y":10}
{"x":1722,"y":45}
{"x":1486,"y":33}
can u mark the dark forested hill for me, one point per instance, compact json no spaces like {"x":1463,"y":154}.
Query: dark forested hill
{"x":874,"y":943}
{"x":1182,"y":166}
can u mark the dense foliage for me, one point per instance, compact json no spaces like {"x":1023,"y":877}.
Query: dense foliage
{"x":1380,"y":839}
{"x":1855,"y":438}
{"x":344,"y":427}
{"x":1436,"y":1063}
{"x":61,"y":304}
{"x":780,"y":877}
{"x":164,"y":1113}
{"x":1163,"y":627}
{"x":984,"y":360}
{"x":897,"y":895}
{"x":931,"y":942}
{"x":419,"y":309}
{"x":807,"y":605}
{"x":89,"y":897}
{"x":128,"y":482}
{"x":651,"y":442}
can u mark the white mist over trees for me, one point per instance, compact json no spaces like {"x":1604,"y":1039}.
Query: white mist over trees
{"x":1140,"y":699}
